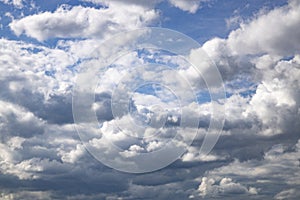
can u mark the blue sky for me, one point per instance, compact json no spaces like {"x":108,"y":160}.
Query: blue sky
{"x":156,"y":109}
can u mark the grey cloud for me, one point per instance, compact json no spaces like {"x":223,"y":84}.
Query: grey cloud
{"x":286,"y":194}
{"x":278,"y":169}
{"x":17,"y":121}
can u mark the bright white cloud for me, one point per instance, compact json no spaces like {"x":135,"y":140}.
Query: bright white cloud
{"x":275,"y":32}
{"x":187,"y":5}
{"x":277,"y":97}
{"x":83,"y":22}
{"x":193,"y":155}
{"x":210,"y":187}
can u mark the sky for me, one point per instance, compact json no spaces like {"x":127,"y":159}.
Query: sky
{"x":161,"y":99}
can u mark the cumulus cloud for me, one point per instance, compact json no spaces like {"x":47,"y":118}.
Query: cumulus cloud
{"x":17,"y":121}
{"x":252,"y":55}
{"x":83,"y":22}
{"x":279,"y":165}
{"x":225,"y":186}
{"x":187,"y":5}
{"x":269,"y":33}
{"x":40,"y":150}
{"x":41,"y":74}
{"x":269,"y":109}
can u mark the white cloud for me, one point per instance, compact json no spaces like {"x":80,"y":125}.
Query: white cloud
{"x":193,"y":155}
{"x":187,"y":5}
{"x":277,"y":98}
{"x":30,"y":169}
{"x":73,"y":155}
{"x":274,"y":32}
{"x":252,"y":55}
{"x":210,"y":187}
{"x":83,"y":22}
{"x":38,"y":143}
{"x":43,"y":74}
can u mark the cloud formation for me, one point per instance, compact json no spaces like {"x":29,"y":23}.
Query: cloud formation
{"x":269,"y":33}
{"x":84,"y":22}
{"x":257,"y":156}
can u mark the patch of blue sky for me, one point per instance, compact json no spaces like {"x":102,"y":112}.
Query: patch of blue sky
{"x":157,"y":90}
{"x":203,"y":96}
{"x":50,"y":73}
{"x":53,"y":5}
{"x":242,"y":87}
{"x":146,"y":89}
{"x":287,"y":58}
{"x":7,"y":12}
{"x":163,"y":57}
{"x":75,"y":67}
{"x":32,"y":49}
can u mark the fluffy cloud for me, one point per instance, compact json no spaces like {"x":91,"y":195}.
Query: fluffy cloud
{"x":279,"y":166}
{"x":252,"y":55}
{"x":40,"y":73}
{"x":187,"y":5}
{"x":225,"y":186}
{"x":17,"y":121}
{"x":275,"y":32}
{"x":270,"y":108}
{"x":83,"y":22}
{"x":40,"y":150}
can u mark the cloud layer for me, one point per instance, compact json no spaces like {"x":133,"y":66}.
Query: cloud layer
{"x":256,"y":157}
